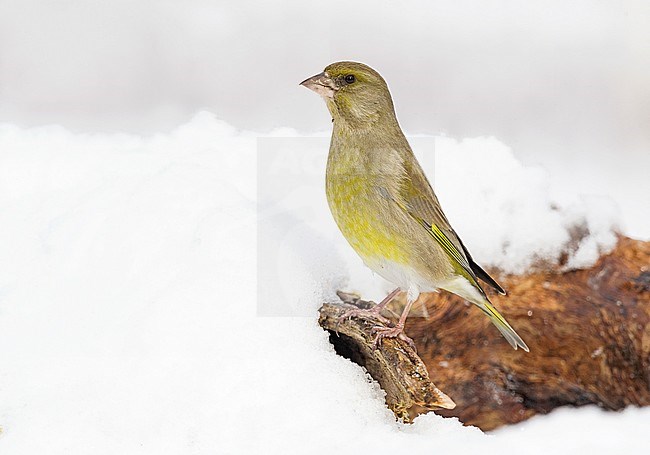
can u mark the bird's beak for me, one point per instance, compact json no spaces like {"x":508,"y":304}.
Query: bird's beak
{"x":322,"y":84}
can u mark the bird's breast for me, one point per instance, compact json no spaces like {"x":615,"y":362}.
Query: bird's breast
{"x":365,"y":217}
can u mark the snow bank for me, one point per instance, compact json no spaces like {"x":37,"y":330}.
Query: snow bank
{"x":130,"y":311}
{"x":506,"y":215}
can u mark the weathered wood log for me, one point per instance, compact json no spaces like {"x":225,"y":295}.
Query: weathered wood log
{"x":393,"y":363}
{"x":588,"y":332}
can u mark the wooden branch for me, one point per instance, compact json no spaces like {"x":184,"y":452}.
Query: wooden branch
{"x":394,"y":364}
{"x":588,"y":332}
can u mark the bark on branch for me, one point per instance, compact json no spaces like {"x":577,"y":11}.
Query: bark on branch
{"x":588,"y":332}
{"x":394,"y":364}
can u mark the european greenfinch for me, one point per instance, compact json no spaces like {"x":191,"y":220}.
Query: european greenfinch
{"x":384,"y":205}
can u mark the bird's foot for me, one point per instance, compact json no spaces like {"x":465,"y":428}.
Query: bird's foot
{"x":372,"y":314}
{"x":391,"y":332}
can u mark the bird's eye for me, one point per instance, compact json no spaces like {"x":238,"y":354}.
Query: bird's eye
{"x":349,"y":79}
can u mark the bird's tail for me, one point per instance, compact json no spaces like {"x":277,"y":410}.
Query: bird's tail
{"x":503,"y":326}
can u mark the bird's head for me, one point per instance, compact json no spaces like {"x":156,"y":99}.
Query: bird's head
{"x":355,"y":94}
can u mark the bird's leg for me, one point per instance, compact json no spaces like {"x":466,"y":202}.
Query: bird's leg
{"x":373,"y":313}
{"x":398,"y":330}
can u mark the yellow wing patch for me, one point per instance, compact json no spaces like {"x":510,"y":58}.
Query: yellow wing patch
{"x":463,"y":266}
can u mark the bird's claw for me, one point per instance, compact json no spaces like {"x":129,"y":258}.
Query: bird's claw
{"x":370,"y":314}
{"x":382,"y":332}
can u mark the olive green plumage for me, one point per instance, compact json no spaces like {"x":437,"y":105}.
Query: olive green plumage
{"x":383,"y":203}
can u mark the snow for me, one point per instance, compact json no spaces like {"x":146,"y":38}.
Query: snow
{"x":506,"y":214}
{"x":565,"y":84}
{"x":159,"y":294}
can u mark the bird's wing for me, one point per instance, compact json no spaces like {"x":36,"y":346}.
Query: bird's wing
{"x":418,"y":199}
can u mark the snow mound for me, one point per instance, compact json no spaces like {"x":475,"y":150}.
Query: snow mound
{"x":507,"y":216}
{"x":133,"y":287}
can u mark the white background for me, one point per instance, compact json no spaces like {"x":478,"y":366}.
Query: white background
{"x":565,"y":84}
{"x":129,"y":293}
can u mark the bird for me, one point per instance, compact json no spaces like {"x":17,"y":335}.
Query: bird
{"x":384,"y":205}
